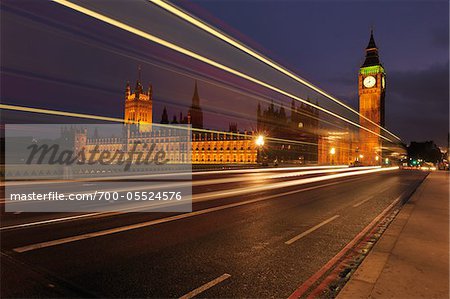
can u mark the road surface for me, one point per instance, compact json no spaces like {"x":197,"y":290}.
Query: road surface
{"x":265,"y":243}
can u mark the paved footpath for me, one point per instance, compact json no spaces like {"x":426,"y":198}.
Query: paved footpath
{"x":411,"y":259}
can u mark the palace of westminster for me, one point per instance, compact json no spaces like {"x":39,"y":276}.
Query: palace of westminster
{"x":293,"y":137}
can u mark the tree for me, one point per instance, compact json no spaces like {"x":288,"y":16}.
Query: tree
{"x":427,"y":151}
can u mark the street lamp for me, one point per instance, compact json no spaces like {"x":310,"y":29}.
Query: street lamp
{"x":259,"y":143}
{"x":332,"y":152}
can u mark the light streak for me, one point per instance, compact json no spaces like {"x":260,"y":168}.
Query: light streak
{"x":121,"y":120}
{"x":201,"y":58}
{"x":341,"y":172}
{"x":215,"y":32}
{"x":204,"y":197}
{"x":250,"y":171}
{"x":266,"y":187}
{"x":60,"y":113}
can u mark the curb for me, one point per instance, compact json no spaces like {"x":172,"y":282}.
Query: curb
{"x":363,"y":280}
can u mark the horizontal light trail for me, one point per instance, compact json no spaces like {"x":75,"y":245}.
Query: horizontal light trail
{"x":205,"y":197}
{"x":159,"y":221}
{"x":121,"y":120}
{"x":59,"y":113}
{"x":270,"y":169}
{"x":293,"y":183}
{"x":206,"y":286}
{"x":217,"y":33}
{"x":165,"y":175}
{"x":206,"y":60}
{"x":210,"y":182}
{"x":136,"y":209}
{"x":222,"y":193}
{"x":312,"y":229}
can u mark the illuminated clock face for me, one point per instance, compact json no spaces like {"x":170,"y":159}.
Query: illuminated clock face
{"x":369,"y":81}
{"x":383,"y":82}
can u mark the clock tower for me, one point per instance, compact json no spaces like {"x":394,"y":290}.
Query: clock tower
{"x":371,"y":87}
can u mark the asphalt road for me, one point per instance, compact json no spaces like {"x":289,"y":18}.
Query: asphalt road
{"x":258,"y":244}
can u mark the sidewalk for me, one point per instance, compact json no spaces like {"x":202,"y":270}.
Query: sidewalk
{"x":411,"y":259}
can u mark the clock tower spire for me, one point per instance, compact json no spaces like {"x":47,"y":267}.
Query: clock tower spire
{"x":371,"y":90}
{"x":371,"y":53}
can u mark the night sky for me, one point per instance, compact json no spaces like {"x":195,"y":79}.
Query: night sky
{"x":324,"y":41}
{"x":59,"y":59}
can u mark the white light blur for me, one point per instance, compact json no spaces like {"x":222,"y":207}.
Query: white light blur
{"x":246,"y":190}
{"x":259,"y":140}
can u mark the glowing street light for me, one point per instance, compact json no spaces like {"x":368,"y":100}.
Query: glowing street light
{"x":361,"y":156}
{"x":259,"y":140}
{"x":332,"y":152}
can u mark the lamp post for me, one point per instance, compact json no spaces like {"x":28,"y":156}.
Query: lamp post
{"x":259,"y":143}
{"x":332,"y":152}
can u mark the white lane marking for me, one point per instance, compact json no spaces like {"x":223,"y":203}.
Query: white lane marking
{"x":305,"y":233}
{"x":68,"y":218}
{"x":206,"y":286}
{"x":369,"y":198}
{"x":158,"y":221}
{"x":311,"y":280}
{"x":363,"y":201}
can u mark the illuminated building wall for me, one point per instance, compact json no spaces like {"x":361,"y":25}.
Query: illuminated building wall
{"x":223,"y":148}
{"x":206,"y":147}
{"x":336,"y":148}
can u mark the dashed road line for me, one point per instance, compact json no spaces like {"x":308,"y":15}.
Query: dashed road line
{"x":363,"y":201}
{"x":305,"y":233}
{"x":369,"y":198}
{"x":206,"y":286}
{"x":306,"y":285}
